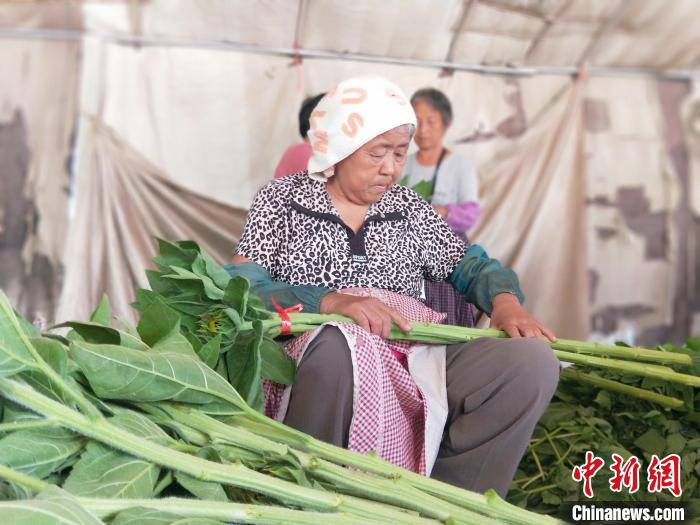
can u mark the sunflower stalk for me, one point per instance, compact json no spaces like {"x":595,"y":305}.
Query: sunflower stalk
{"x":379,"y":488}
{"x":201,"y":469}
{"x":189,"y":508}
{"x":489,"y":504}
{"x":616,"y":386}
{"x":635,"y":361}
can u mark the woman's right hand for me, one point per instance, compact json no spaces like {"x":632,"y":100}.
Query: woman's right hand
{"x":368,"y":312}
{"x":442,"y":211}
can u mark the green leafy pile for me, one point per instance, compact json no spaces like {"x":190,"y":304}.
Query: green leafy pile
{"x":131,"y":426}
{"x":583,"y":417}
{"x":218,"y":317}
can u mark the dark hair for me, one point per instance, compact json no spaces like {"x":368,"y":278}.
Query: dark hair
{"x":305,"y":111}
{"x":437,"y":100}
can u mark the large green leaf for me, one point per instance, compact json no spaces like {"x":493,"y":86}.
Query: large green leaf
{"x":651,"y":441}
{"x":52,"y":506}
{"x":145,"y":516}
{"x":55,"y":354}
{"x":159,"y":284}
{"x":176,"y":343}
{"x":28,"y":328}
{"x":236,"y":294}
{"x":244,"y":366}
{"x":140,"y":425}
{"x":116,"y":372}
{"x":100,"y":334}
{"x":109,"y":473}
{"x":220,"y":276}
{"x":276,"y":364}
{"x":40,"y":451}
{"x":175,"y":254}
{"x":12,"y":412}
{"x":210,"y":289}
{"x":15,"y":349}
{"x":157,"y":322}
{"x":144,"y":298}
{"x":209,"y":352}
{"x":102,"y":314}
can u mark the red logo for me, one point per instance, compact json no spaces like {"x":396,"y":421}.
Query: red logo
{"x":626,"y":474}
{"x":661,"y":474}
{"x":587,"y":472}
{"x":665,"y":474}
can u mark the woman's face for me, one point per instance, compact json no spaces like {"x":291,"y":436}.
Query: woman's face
{"x":431,"y":127}
{"x":364,"y":176}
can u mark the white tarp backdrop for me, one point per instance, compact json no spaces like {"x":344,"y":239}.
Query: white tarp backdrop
{"x":182,"y":109}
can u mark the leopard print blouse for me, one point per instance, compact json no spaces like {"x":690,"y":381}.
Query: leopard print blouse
{"x":294,"y":232}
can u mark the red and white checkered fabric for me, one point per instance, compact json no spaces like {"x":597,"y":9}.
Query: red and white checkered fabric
{"x":390,"y":413}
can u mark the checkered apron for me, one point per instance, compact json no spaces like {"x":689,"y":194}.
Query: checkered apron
{"x":390,"y":413}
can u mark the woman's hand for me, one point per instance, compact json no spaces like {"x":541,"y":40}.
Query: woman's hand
{"x":368,"y":312}
{"x":440,"y":210}
{"x":509,"y":316}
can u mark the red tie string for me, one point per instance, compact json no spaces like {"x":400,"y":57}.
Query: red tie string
{"x":286,"y":323}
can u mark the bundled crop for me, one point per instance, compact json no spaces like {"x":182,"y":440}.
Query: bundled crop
{"x":163,"y":421}
{"x":123,"y":426}
{"x":218,"y":310}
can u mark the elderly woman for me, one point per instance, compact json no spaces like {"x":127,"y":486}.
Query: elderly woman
{"x":346,"y":224}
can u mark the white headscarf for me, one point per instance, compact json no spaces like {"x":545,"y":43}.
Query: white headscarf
{"x":350,"y":115}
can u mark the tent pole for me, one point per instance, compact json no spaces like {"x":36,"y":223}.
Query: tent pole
{"x":527,"y":71}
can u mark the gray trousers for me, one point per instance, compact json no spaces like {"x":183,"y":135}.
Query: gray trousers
{"x":497,"y":389}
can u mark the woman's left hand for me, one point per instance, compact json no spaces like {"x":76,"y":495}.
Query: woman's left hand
{"x":508,"y":315}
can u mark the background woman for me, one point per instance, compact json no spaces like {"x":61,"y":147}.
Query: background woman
{"x":446,"y":180}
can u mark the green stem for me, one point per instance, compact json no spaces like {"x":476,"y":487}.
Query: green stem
{"x":447,"y":334}
{"x":537,"y":442}
{"x":616,"y":386}
{"x":490,"y":505}
{"x":190,"y":508}
{"x":23,"y":479}
{"x":540,"y":489}
{"x":43,"y":367}
{"x":629,"y":353}
{"x":235,"y":475}
{"x":639,"y":369}
{"x":228,"y":512}
{"x":533,"y":479}
{"x":554,"y":447}
{"x":352,"y":482}
{"x":536,"y":458}
{"x":24,"y":424}
{"x":565,"y":349}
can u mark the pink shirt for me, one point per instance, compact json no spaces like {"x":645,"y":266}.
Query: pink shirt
{"x":295,"y":159}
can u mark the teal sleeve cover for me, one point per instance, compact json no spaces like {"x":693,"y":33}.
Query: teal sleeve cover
{"x":262,"y":285}
{"x":480,"y":278}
